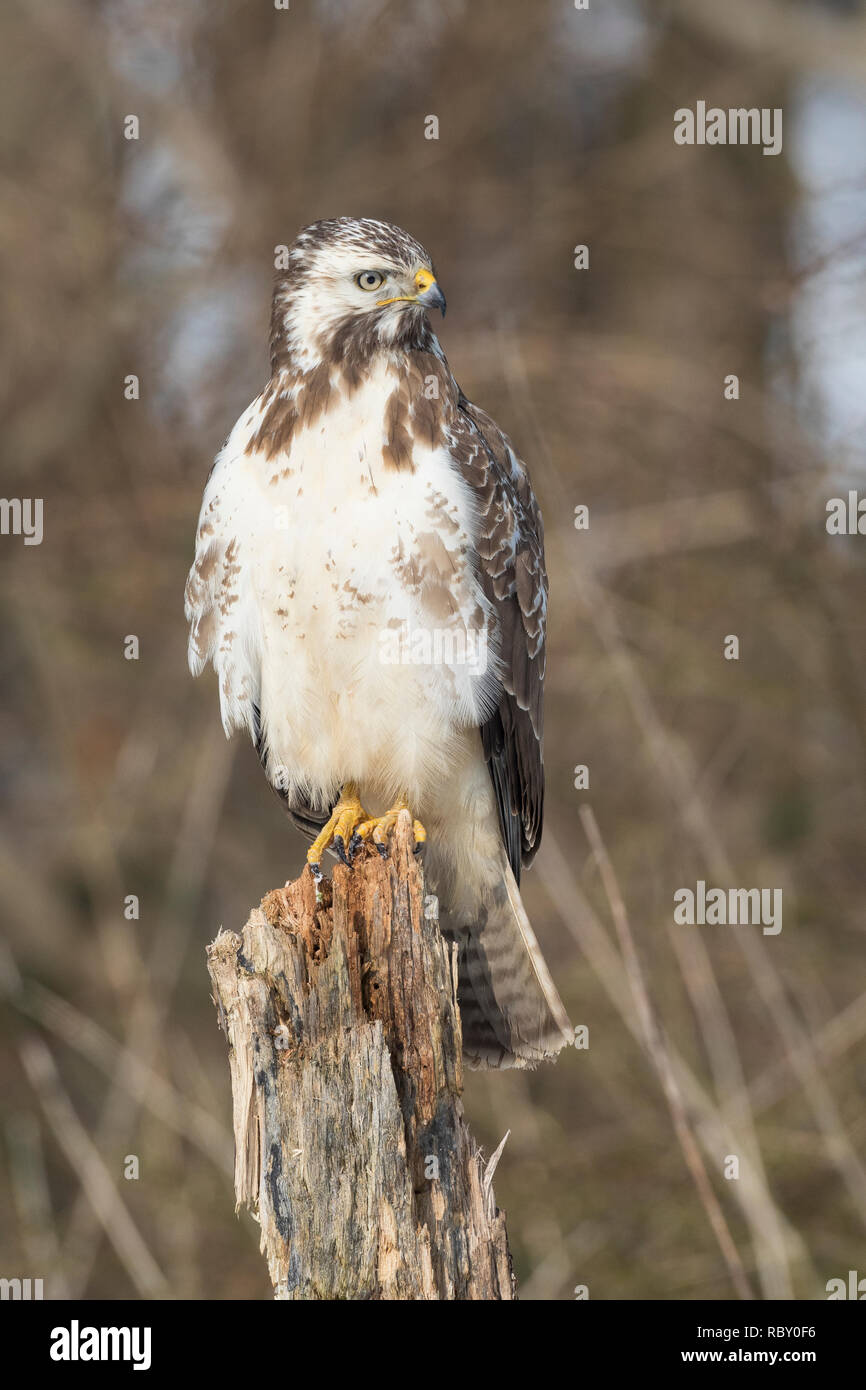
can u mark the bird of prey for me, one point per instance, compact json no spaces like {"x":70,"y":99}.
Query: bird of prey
{"x":369,"y":584}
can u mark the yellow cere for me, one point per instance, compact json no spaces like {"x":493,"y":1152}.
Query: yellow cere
{"x":423,"y":280}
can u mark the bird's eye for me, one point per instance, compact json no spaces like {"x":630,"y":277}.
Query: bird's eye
{"x":369,"y":280}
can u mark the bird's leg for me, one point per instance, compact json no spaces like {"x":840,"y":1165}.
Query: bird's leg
{"x":338,"y":830}
{"x":378,"y":828}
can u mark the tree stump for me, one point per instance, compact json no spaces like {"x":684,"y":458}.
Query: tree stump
{"x":344,"y":1044}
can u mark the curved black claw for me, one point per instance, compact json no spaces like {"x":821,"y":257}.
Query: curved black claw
{"x":420,"y":849}
{"x":339,"y":847}
{"x":316,"y":871}
{"x":355,"y":843}
{"x":383,"y":849}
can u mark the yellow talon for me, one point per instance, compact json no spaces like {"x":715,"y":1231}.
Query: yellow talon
{"x":379,"y":828}
{"x":340,"y":830}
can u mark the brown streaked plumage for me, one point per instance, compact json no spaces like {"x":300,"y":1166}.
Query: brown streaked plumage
{"x":369,"y":584}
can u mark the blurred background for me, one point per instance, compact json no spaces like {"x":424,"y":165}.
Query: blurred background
{"x":154,"y":257}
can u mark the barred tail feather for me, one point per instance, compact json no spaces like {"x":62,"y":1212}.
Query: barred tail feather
{"x":511,"y":1013}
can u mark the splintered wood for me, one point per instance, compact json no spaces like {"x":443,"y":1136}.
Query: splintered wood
{"x":344,"y":1045}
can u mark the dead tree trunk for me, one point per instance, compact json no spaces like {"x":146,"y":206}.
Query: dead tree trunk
{"x":350,"y":1143}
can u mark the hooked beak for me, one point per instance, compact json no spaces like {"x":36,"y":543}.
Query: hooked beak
{"x":429,"y":293}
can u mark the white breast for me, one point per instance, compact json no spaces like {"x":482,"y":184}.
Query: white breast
{"x":359,"y":626}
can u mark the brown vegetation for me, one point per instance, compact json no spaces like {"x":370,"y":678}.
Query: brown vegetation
{"x":154,"y":257}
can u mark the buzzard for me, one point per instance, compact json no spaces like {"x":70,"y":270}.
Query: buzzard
{"x":369,"y":584}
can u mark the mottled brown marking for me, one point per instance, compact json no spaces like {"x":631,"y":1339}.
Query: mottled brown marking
{"x":406,"y":567}
{"x":441,"y":572}
{"x":314,"y":394}
{"x":439,"y":601}
{"x":397,"y":449}
{"x":442,"y":513}
{"x":205,"y":632}
{"x":356,"y":594}
{"x":230,"y":570}
{"x":205,"y":565}
{"x":436,"y":559}
{"x":289,"y":405}
{"x":429,"y":415}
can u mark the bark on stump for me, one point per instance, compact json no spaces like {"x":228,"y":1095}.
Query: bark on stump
{"x":350,"y":1143}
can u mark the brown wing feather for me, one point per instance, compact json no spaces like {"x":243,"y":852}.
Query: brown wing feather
{"x":511,"y":558}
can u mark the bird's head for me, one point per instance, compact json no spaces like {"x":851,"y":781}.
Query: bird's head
{"x":352,"y":285}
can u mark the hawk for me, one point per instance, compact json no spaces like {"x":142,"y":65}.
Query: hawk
{"x":369,"y":584}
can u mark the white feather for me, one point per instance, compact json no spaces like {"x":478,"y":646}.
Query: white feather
{"x":299,"y":597}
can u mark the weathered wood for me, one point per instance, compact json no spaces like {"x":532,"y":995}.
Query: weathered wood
{"x":350,"y":1142}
